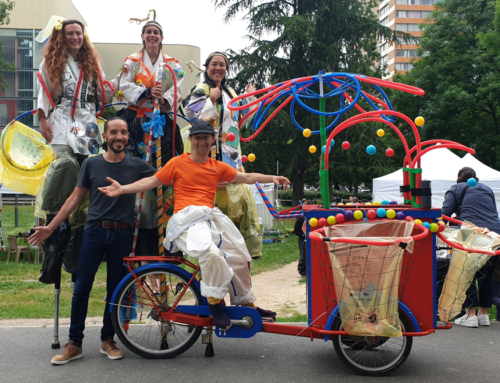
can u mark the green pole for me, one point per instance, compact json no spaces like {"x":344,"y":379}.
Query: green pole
{"x":324,"y":181}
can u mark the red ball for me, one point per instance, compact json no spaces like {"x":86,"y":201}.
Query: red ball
{"x":442,"y":226}
{"x":244,"y":159}
{"x":339,"y":218}
{"x":408,"y":218}
{"x":322,"y":222}
{"x":231,"y":137}
{"x":389,"y":152}
{"x":346,"y":145}
{"x":371,"y":214}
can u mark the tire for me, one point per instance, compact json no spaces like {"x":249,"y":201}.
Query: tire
{"x":143,"y":334}
{"x":373,"y":356}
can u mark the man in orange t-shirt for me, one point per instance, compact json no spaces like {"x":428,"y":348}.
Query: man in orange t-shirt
{"x":199,"y":229}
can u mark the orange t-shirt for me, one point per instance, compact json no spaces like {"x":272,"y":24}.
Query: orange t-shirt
{"x":194,"y":183}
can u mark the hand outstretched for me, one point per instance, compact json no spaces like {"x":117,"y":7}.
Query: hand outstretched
{"x":41,"y":234}
{"x":113,"y":190}
{"x":280,"y":180}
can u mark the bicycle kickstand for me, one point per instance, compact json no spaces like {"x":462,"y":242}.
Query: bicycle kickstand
{"x":207,"y":339}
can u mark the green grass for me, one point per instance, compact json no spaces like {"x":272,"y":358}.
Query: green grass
{"x":293,"y":318}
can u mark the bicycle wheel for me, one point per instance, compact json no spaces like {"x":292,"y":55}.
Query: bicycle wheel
{"x":373,"y":355}
{"x":135,"y":318}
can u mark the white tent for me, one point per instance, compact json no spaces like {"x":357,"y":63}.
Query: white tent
{"x":441,"y":167}
{"x":6,"y":190}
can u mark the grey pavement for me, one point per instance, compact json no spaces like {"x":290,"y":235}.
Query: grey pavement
{"x":457,"y":355}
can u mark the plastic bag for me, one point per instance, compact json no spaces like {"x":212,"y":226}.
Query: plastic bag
{"x":24,"y":158}
{"x":57,"y":184}
{"x":367,"y":277}
{"x":463,"y":266}
{"x":237,"y":202}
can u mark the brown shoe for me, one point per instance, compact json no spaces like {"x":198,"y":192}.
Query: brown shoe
{"x":70,"y":352}
{"x":109,"y":348}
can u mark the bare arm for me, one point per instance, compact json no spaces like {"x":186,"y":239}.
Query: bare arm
{"x":251,"y":178}
{"x":43,"y":232}
{"x":115,"y":189}
{"x":45,"y":128}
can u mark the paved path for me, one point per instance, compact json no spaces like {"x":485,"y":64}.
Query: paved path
{"x":457,"y":355}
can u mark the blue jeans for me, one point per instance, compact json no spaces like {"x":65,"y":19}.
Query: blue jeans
{"x":96,"y":243}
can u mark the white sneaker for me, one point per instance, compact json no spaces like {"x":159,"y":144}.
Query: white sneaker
{"x":467,"y":322}
{"x":484,"y":320}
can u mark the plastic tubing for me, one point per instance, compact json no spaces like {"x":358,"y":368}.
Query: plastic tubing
{"x":433,"y":142}
{"x":45,"y":89}
{"x":392,"y":85}
{"x":24,"y":114}
{"x":448,"y":146}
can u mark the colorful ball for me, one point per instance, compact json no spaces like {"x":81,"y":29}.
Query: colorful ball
{"x":307,"y":133}
{"x":381,"y":132}
{"x":348,"y":203}
{"x":371,"y":150}
{"x":339,"y":218}
{"x":391,"y":214}
{"x":251,"y":157}
{"x":434,"y":227}
{"x":418,"y":222}
{"x":385,"y":202}
{"x":324,"y":147}
{"x":472,"y":182}
{"x":244,"y":159}
{"x":312,"y":149}
{"x":346,"y":145}
{"x":377,"y":203}
{"x":322,"y":222}
{"x":400,"y":215}
{"x":442,"y":226}
{"x":371,"y":214}
{"x":231,"y":137}
{"x":419,"y":121}
{"x":427,"y":225}
{"x":409,"y":219}
{"x":313,"y":222}
{"x":368,"y":203}
{"x":331,"y":220}
{"x":332,"y":143}
{"x":348,"y":215}
{"x":381,"y":213}
{"x":393,"y":203}
{"x":358,"y":214}
{"x":389,"y":152}
{"x":340,"y":203}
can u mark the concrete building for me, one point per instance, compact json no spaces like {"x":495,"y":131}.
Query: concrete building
{"x":402,"y":15}
{"x":18,"y":39}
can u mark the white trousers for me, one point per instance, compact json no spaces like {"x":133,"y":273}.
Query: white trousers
{"x":222,"y":255}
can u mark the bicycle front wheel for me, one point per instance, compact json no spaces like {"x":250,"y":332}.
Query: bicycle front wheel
{"x":135,"y":318}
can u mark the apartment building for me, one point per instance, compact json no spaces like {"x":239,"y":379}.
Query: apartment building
{"x":401,"y":15}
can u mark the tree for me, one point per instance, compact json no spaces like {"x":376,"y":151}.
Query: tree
{"x":309,"y":36}
{"x":5,"y":7}
{"x":461,"y":78}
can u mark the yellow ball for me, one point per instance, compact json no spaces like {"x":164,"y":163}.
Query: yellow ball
{"x":419,"y":121}
{"x":381,"y":132}
{"x":251,"y":157}
{"x":307,"y":133}
{"x":377,"y":203}
{"x":434,"y":227}
{"x":313,"y":222}
{"x":331,"y":220}
{"x":368,"y":203}
{"x":348,"y":203}
{"x":390,"y":214}
{"x":358,"y":214}
{"x":340,"y":203}
{"x":418,"y":222}
{"x":312,"y":149}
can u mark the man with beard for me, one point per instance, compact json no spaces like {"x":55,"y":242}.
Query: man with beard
{"x":108,"y":230}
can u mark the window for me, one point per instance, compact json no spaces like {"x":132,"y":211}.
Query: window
{"x":404,"y":66}
{"x":383,"y":47}
{"x":402,"y":14}
{"x":413,"y":28}
{"x":414,"y":40}
{"x":426,"y":14}
{"x":385,"y":21}
{"x":401,"y":27}
{"x":406,"y":53}
{"x":414,"y":14}
{"x":402,"y":2}
{"x":384,"y":59}
{"x":384,"y":10}
{"x":427,"y":2}
{"x":414,"y":2}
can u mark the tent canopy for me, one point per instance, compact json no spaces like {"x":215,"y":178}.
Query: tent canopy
{"x":441,"y":167}
{"x":6,"y":190}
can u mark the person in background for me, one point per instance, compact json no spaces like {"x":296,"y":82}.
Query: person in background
{"x":478,"y":206}
{"x":297,"y":230}
{"x":496,"y":290}
{"x":353,"y":200}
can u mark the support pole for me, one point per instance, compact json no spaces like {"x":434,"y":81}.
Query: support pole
{"x":324,"y":181}
{"x":16,"y":212}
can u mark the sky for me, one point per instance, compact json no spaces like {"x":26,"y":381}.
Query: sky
{"x":187,"y":22}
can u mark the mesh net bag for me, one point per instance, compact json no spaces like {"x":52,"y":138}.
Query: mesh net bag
{"x":471,"y":248}
{"x":365,"y":271}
